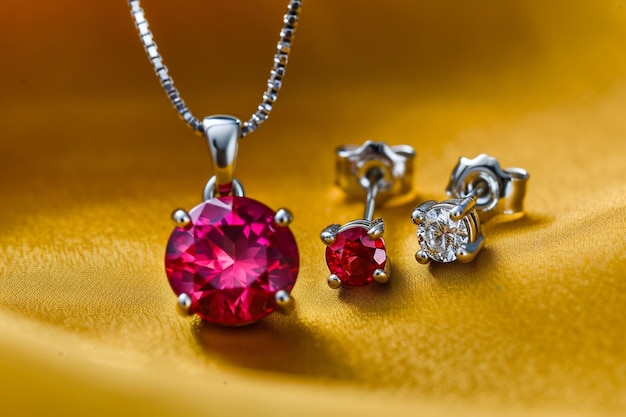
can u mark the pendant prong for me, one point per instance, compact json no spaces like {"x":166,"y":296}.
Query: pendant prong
{"x":283,"y":217}
{"x":184,"y":304}
{"x":334,"y":282}
{"x":469,"y":251}
{"x":377,"y":230}
{"x":418,"y":213}
{"x":421,"y":257}
{"x":181,"y":218}
{"x":285,"y":302}
{"x":329,"y":234}
{"x":464,"y":207}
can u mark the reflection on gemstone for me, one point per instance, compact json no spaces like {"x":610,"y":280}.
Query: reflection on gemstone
{"x":439,"y":236}
{"x":354,"y":257}
{"x":232,"y":260}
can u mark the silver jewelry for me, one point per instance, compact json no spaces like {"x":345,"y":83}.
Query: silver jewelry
{"x":355,"y":254}
{"x":231,"y":260}
{"x":450,"y":230}
{"x":274,"y":81}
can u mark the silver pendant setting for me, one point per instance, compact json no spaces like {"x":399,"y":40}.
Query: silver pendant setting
{"x":231,"y":260}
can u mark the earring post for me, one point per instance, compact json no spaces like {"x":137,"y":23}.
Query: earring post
{"x":374,"y":176}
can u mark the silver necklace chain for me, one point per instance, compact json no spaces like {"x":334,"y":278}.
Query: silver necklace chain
{"x":273,"y":83}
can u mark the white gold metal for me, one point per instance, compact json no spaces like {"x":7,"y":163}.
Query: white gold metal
{"x":469,"y":251}
{"x":377,"y":230}
{"x":462,"y":208}
{"x":222,"y":134}
{"x":274,"y":82}
{"x":376,"y":169}
{"x":381,"y":276}
{"x":497,"y":191}
{"x":329,"y":234}
{"x":334,"y":282}
{"x":376,"y":226}
{"x":285,"y":302}
{"x":421,"y":257}
{"x":184,"y":304}
{"x":447,"y":231}
{"x":283,"y":217}
{"x":181,"y":218}
{"x":210,"y":189}
{"x":372,"y":192}
{"x":389,"y":167}
{"x":418,"y":213}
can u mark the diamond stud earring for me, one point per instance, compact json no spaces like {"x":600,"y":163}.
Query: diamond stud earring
{"x":480,"y":189}
{"x":355,"y":252}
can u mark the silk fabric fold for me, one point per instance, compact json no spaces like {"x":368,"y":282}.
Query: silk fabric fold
{"x":94,"y":160}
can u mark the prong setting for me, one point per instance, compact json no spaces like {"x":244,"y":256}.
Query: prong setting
{"x":417,"y":216}
{"x":184,"y":304}
{"x":334,"y":282}
{"x":377,"y":230}
{"x":421,"y":257}
{"x":285,"y":302}
{"x":329,"y":234}
{"x":388,"y":267}
{"x":181,"y":218}
{"x":469,"y":252}
{"x":463,"y":208}
{"x":381,"y":276}
{"x":283,"y":217}
{"x":360,"y":239}
{"x":444,"y":238}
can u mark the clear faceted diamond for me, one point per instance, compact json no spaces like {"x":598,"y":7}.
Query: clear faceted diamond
{"x":439,"y":236}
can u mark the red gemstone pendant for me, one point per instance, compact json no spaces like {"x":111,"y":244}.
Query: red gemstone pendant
{"x":231,"y":260}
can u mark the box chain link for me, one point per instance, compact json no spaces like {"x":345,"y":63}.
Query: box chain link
{"x":274,"y":81}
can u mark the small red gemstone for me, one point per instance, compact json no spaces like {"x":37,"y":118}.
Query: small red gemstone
{"x":354,"y":256}
{"x":231,"y":260}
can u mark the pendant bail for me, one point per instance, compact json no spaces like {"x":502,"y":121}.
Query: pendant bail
{"x":223,"y":133}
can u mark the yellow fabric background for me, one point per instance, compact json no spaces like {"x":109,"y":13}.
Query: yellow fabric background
{"x":94,"y":160}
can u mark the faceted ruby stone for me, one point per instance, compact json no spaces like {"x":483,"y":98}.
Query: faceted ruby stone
{"x":354,"y":257}
{"x":231,"y":260}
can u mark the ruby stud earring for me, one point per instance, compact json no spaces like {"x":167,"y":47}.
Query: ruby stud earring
{"x":480,"y":189}
{"x":355,"y":252}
